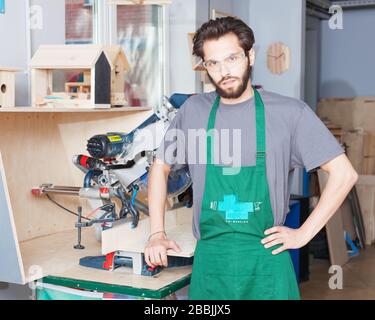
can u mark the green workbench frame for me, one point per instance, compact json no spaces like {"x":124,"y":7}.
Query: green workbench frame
{"x":112,"y":288}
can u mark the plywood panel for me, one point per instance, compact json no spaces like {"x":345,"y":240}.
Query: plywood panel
{"x":353,"y":139}
{"x":366,"y":194}
{"x":335,"y":230}
{"x":41,"y":84}
{"x":350,"y":113}
{"x":347,"y":219}
{"x":11,"y":267}
{"x":51,"y":254}
{"x":122,"y":237}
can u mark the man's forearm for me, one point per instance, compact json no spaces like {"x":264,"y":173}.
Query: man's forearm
{"x":338,"y":186}
{"x":157,"y":194}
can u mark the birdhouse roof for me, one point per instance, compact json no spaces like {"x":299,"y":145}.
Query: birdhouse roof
{"x":74,"y":56}
{"x":114,"y":54}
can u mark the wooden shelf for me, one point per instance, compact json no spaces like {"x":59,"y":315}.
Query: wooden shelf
{"x":46,"y":109}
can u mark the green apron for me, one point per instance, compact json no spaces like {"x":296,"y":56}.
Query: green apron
{"x":230,"y":263}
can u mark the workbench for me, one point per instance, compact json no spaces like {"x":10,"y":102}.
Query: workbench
{"x":103,"y":283}
{"x":36,"y":237}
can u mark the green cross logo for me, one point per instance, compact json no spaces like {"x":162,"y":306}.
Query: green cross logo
{"x":235,"y":210}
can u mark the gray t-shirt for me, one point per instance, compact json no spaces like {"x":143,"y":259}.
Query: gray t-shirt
{"x":295,"y":137}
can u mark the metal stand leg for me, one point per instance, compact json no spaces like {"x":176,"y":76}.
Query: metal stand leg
{"x":79,"y":246}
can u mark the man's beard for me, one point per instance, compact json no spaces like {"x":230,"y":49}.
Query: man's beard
{"x":237,"y":92}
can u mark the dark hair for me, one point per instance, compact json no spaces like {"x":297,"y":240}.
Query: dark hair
{"x":214,"y":29}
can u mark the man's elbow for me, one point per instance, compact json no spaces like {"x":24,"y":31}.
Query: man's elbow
{"x":353,"y":177}
{"x":350,"y":177}
{"x":342,"y":170}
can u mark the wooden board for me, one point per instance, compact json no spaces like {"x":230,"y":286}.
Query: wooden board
{"x":369,"y":144}
{"x":52,"y":254}
{"x":335,"y":230}
{"x":349,"y":113}
{"x":369,"y":154}
{"x":368,"y":165}
{"x":347,"y":219}
{"x":366,"y":194}
{"x":11,"y":266}
{"x":42,"y":85}
{"x":353,"y":139}
{"x":122,"y":237}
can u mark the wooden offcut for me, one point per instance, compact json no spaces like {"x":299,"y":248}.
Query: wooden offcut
{"x":369,"y":154}
{"x":349,"y":113}
{"x":338,"y":253}
{"x":177,"y":225}
{"x":353,"y":140}
{"x":366,"y":194}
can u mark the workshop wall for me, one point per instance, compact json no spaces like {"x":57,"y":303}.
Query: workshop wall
{"x":19,"y":48}
{"x":312,"y":69}
{"x":14,"y":48}
{"x":284,"y":21}
{"x":182,"y":20}
{"x":342,"y":58}
{"x":52,"y":25}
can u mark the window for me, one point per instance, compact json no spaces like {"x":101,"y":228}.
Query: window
{"x":137,"y":28}
{"x":79,"y":21}
{"x":140,"y":33}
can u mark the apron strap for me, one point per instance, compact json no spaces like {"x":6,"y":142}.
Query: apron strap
{"x":260,"y":132}
{"x":211,"y":131}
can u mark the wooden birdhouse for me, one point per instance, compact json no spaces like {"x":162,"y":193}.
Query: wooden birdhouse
{"x":119,"y":67}
{"x":7,"y":87}
{"x":97,"y":76}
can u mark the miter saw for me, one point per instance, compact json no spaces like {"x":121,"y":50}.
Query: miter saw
{"x":117,"y":167}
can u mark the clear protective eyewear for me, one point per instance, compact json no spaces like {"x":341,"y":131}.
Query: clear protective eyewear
{"x":230,"y":62}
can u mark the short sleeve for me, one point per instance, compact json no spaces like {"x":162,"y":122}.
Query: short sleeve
{"x":312,"y":143}
{"x":172,"y":150}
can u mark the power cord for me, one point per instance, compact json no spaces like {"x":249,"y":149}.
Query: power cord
{"x":62,"y":207}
